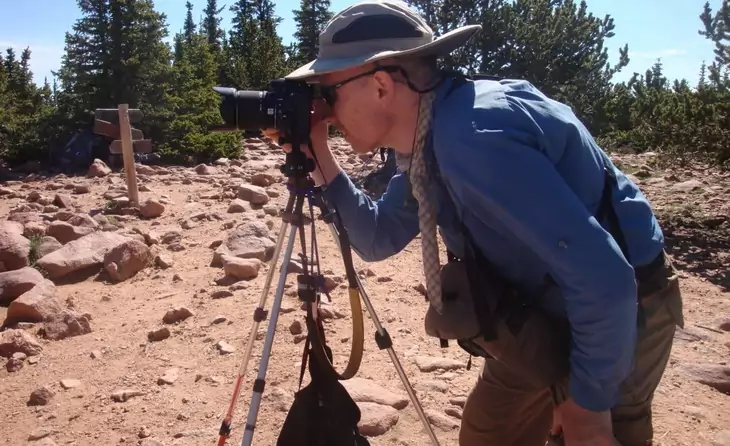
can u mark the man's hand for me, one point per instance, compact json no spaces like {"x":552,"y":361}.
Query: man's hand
{"x":327,"y":167}
{"x":582,"y":427}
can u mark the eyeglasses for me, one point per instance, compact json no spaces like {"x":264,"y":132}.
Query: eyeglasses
{"x":328,"y":93}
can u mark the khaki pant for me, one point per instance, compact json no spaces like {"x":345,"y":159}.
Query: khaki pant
{"x":502,"y":410}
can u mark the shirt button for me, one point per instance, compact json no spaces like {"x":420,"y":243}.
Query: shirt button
{"x":562,"y":244}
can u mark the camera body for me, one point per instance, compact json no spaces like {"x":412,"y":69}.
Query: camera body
{"x":285,"y":106}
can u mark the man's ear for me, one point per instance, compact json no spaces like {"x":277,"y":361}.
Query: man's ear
{"x":385,"y":86}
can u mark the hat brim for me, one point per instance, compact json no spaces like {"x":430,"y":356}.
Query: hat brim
{"x":440,"y":46}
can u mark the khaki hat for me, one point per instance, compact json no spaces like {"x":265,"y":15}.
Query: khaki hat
{"x":372,"y":30}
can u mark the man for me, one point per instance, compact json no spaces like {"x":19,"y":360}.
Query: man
{"x":519,"y":174}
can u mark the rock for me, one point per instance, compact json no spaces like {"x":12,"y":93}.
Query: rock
{"x":14,"y":340}
{"x":98,"y":168}
{"x":35,"y":228}
{"x":221,"y":294}
{"x":296,"y":327}
{"x":458,"y":401}
{"x":158,"y":334}
{"x":79,"y":254}
{"x":41,"y":396}
{"x":70,"y":383}
{"x":440,"y":420}
{"x":163,"y":261}
{"x":262,"y":179}
{"x":16,"y":282}
{"x":63,"y":201}
{"x":238,"y":206}
{"x":82,"y":188}
{"x":454,"y":412}
{"x":253,"y":194}
{"x":688,"y":186}
{"x":431,"y":363}
{"x":363,"y":390}
{"x":14,"y":364}
{"x":40,"y":433}
{"x":65,"y":324}
{"x":241,"y":268}
{"x":151,"y":208}
{"x":247,"y":241}
{"x":65,"y":232}
{"x":14,"y":248}
{"x":224,"y":347}
{"x":432,"y":385}
{"x":35,"y":305}
{"x":376,"y":419}
{"x":124,"y":395}
{"x":715,"y":376}
{"x":204,"y":169}
{"x":176,"y":315}
{"x":126,"y":259}
{"x":169,"y":377}
{"x":48,"y":245}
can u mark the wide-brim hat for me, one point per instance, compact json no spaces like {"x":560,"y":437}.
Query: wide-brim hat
{"x":372,"y":30}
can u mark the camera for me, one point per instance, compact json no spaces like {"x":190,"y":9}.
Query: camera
{"x":285,"y":106}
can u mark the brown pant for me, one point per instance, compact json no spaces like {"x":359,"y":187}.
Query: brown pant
{"x":502,"y":410}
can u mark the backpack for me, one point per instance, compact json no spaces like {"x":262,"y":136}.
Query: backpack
{"x":323,"y":413}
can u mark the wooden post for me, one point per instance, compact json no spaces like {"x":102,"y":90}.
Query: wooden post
{"x":125,"y":134}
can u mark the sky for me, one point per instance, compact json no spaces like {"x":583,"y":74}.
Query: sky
{"x":665,"y":29}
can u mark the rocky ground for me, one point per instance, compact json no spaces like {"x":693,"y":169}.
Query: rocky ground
{"x":126,"y":326}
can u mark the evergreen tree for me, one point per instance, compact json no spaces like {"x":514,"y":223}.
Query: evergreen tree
{"x":195,"y":106}
{"x":115,"y":55}
{"x":211,"y":25}
{"x":311,"y":18}
{"x":255,"y":52}
{"x":27,"y":111}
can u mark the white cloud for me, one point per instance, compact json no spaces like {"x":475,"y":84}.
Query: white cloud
{"x":43,"y":58}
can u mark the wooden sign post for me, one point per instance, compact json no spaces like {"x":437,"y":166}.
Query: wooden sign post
{"x":125,"y":134}
{"x":117,"y":123}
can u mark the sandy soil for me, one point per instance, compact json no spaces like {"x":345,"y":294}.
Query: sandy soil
{"x":116,"y":354}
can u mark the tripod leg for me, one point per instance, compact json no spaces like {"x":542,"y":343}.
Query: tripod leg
{"x":382,"y":338}
{"x":258,"y":316}
{"x":259,"y":384}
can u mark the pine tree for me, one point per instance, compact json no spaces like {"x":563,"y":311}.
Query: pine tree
{"x":27,"y":111}
{"x":255,"y":54}
{"x":195,"y":107}
{"x":311,"y":19}
{"x":116,"y":54}
{"x":211,"y":25}
{"x":717,"y":29}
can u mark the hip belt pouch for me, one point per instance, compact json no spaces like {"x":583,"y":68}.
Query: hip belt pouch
{"x":489,"y":318}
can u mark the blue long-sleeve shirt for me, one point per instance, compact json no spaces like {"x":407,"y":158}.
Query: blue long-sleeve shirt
{"x":525,"y":177}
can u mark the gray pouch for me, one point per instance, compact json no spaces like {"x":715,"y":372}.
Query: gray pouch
{"x":530,"y":342}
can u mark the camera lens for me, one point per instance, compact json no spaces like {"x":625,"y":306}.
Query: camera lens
{"x":246,"y":109}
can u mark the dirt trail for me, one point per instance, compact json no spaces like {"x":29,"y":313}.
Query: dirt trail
{"x":97,"y":340}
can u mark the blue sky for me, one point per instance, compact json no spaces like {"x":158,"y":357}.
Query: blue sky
{"x":652,"y":29}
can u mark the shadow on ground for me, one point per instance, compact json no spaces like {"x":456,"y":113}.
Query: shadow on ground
{"x":701,"y":250}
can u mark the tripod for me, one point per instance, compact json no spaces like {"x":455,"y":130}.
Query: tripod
{"x":300,"y":186}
